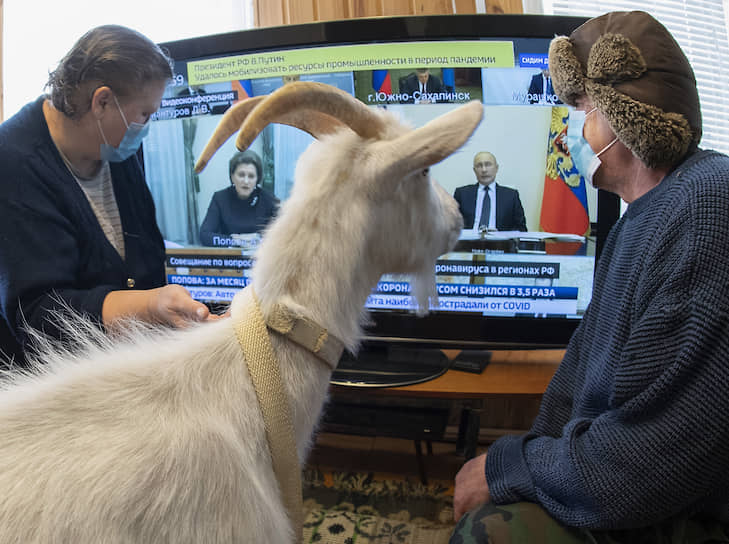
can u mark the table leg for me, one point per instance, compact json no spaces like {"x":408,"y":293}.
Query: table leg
{"x":468,"y":430}
{"x":472,"y":430}
{"x":421,"y":462}
{"x":462,"y":427}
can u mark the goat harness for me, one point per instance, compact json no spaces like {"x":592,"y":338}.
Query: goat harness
{"x":251,"y":331}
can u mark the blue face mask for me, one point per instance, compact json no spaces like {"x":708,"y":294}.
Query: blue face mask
{"x":584,"y":158}
{"x":129,"y":144}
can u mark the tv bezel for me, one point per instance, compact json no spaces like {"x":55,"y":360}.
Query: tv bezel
{"x":441,"y":330}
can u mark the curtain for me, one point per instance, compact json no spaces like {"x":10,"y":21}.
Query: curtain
{"x":167,"y":177}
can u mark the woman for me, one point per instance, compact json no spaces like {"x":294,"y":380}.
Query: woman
{"x":77,"y":222}
{"x":242,"y":208}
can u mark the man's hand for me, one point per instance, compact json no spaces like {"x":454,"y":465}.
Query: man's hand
{"x":471,"y":487}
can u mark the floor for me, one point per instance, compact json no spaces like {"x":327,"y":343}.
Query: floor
{"x":389,"y":457}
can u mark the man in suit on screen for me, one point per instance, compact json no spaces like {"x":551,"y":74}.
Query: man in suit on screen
{"x":421,"y":87}
{"x":487,"y":204}
{"x":541,"y":90}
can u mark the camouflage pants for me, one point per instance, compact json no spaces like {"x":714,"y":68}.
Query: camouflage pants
{"x":525,"y":522}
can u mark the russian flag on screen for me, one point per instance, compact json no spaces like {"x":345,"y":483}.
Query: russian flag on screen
{"x":564,"y":204}
{"x":381,"y":81}
{"x":244,"y":88}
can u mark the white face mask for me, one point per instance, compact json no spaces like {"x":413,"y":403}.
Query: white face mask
{"x":584,"y":158}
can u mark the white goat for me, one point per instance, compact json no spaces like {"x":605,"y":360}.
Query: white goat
{"x":159,"y":438}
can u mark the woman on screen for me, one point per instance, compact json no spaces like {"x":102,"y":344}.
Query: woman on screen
{"x":240,"y":209}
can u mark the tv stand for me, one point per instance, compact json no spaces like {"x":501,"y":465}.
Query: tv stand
{"x":390,"y":366}
{"x":414,"y":412}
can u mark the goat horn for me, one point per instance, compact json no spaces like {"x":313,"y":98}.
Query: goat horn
{"x":316,"y":108}
{"x":315,"y":123}
{"x":231,"y":121}
{"x":314,"y":97}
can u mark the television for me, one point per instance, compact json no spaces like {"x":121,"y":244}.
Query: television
{"x":518,"y":288}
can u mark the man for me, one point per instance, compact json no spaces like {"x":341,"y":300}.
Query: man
{"x":421,"y":87}
{"x":486,"y":204}
{"x":541,"y":90}
{"x":631,"y":442}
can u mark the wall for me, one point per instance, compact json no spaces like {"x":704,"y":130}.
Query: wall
{"x":280,"y":12}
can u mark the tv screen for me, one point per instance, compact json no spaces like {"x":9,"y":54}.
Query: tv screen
{"x":521,"y":277}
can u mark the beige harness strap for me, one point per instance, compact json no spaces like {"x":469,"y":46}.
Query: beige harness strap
{"x":307,"y":334}
{"x":273,"y":401}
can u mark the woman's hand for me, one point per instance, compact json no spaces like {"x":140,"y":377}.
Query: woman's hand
{"x":173,"y":305}
{"x":170,"y":305}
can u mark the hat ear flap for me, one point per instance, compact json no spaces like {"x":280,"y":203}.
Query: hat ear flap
{"x":568,"y":74}
{"x":658,"y":138}
{"x":613,"y":58}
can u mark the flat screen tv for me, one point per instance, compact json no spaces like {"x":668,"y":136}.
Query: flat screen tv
{"x":499,"y":288}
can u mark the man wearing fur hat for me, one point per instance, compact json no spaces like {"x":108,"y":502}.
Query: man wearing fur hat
{"x":631,"y":443}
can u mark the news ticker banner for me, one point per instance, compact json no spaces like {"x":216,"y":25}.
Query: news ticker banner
{"x":182,"y":263}
{"x":490,"y":299}
{"x":508,"y":299}
{"x":347,"y":58}
{"x":466,"y":290}
{"x":521,"y":286}
{"x":487,"y":305}
{"x":503,"y":299}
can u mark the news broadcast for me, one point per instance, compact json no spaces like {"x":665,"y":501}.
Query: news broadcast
{"x":529,"y":251}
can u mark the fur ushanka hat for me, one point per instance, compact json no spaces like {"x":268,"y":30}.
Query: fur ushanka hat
{"x":636,"y":75}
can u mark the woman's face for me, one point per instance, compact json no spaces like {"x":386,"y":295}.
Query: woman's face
{"x":244,"y":180}
{"x":136,"y":109}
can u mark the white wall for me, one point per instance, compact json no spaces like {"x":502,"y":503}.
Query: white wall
{"x":36,"y":35}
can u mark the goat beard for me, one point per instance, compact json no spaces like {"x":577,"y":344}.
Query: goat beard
{"x":424,"y":291}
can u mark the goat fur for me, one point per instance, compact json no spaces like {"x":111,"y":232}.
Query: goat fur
{"x":157,"y":437}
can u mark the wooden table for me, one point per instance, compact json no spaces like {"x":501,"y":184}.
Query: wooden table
{"x":510,"y":373}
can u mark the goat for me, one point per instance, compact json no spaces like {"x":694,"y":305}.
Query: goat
{"x":158,"y":437}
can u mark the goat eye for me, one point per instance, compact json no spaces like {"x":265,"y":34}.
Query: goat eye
{"x":425,"y":171}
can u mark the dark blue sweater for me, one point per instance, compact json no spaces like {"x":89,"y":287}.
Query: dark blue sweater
{"x":53,"y":251}
{"x":634,"y":427}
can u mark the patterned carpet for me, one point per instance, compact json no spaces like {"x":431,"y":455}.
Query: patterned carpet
{"x":362,"y":508}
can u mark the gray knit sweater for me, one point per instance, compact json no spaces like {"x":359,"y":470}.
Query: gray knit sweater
{"x":634,"y":427}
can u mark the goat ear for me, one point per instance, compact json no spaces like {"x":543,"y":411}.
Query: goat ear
{"x":430,"y":143}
